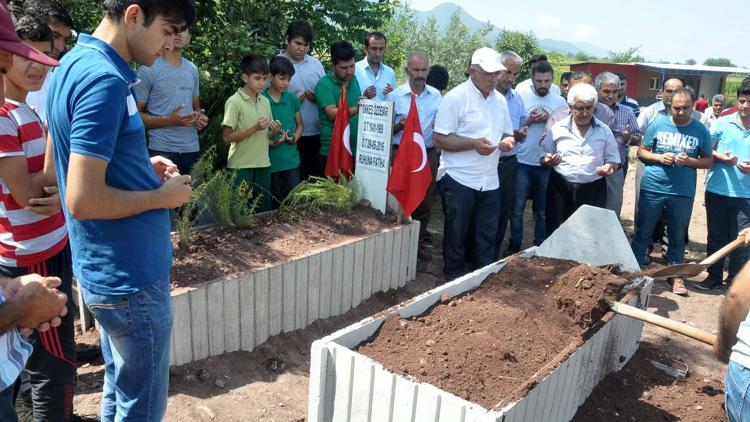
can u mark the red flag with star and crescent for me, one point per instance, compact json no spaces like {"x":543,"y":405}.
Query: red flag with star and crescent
{"x":411,"y":175}
{"x":339,"y":159}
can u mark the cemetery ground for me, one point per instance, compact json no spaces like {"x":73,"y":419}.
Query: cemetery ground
{"x":271,"y":382}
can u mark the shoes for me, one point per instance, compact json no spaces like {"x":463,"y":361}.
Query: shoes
{"x":647,"y":258}
{"x":85,"y":418}
{"x":678,"y":286}
{"x":511,"y":250}
{"x":708,"y":284}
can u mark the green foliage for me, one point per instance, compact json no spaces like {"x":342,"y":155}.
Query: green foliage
{"x":322,"y":193}
{"x":719,"y":61}
{"x":629,"y":55}
{"x":398,"y":29}
{"x":583,"y":57}
{"x":730,"y":90}
{"x":525,"y":44}
{"x":690,"y":62}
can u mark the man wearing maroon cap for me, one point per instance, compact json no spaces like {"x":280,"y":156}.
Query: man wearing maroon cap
{"x":29,"y":301}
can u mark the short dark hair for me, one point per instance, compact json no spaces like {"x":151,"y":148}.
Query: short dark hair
{"x":743,"y":89}
{"x":580,"y":74}
{"x":438,"y":77}
{"x":299,"y":28}
{"x":341,"y":51}
{"x":50,"y":10}
{"x":375,"y":34}
{"x":541,"y":67}
{"x":176,"y":12}
{"x":34,"y":29}
{"x":537,"y":58}
{"x":684,"y":91}
{"x":254,"y":64}
{"x":280,"y":65}
{"x":622,"y":76}
{"x":565,"y":76}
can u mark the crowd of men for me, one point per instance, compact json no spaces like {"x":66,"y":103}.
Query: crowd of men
{"x":82,"y":192}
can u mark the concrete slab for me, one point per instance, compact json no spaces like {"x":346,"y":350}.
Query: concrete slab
{"x":591,"y":236}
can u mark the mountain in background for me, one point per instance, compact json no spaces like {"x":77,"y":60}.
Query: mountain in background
{"x":443,"y":12}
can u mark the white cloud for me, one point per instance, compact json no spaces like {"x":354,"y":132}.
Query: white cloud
{"x":547,"y":21}
{"x":586,"y":32}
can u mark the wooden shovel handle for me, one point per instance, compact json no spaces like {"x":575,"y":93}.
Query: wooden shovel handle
{"x":667,"y":323}
{"x":721,"y":253}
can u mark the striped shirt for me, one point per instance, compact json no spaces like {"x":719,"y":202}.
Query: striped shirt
{"x":627,"y":120}
{"x":13,"y":354}
{"x":26,"y":238}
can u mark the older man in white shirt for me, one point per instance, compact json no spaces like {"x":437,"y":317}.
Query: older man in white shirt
{"x":583,"y":151}
{"x":471,"y":128}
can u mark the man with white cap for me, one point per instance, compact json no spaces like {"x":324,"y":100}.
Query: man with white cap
{"x":472,"y":127}
{"x":29,"y":301}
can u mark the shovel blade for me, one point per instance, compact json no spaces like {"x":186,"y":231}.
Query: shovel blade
{"x":679,"y":270}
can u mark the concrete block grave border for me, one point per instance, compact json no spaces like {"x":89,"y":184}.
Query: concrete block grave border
{"x":348,"y":386}
{"x":242,"y":311}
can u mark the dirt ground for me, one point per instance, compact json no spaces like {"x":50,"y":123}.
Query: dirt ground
{"x":270,"y":383}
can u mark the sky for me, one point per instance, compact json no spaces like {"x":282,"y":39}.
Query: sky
{"x":693,"y":30}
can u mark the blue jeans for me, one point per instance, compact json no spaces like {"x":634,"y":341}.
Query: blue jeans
{"x":462,"y":206}
{"x":135,"y":331}
{"x":736,"y":388}
{"x":677,"y":210}
{"x":530,"y":180}
{"x":726,"y":216}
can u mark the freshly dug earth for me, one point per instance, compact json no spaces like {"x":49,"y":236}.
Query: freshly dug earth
{"x":485,"y":345}
{"x":640,"y":392}
{"x":218,"y":251}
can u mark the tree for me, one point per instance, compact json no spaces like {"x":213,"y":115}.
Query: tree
{"x":690,"y":62}
{"x":628,"y":55}
{"x":525,"y":44}
{"x":399,"y":29}
{"x":719,"y":61}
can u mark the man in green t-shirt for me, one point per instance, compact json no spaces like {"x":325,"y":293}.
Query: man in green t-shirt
{"x":246,"y":126}
{"x":328,"y":91}
{"x":285,"y":108}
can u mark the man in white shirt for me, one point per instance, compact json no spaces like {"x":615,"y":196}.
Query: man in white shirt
{"x":582,"y":151}
{"x":428,"y":99}
{"x":531,"y":176}
{"x":712,"y":113}
{"x":528,"y":84}
{"x":376,"y":79}
{"x":471,"y":128}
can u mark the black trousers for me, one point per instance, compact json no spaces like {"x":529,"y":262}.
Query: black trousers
{"x":564,"y":198}
{"x":52,"y":364}
{"x":309,"y":153}
{"x":506,"y":169}
{"x":283,"y":182}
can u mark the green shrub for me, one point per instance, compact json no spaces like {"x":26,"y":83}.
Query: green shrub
{"x":322,"y":193}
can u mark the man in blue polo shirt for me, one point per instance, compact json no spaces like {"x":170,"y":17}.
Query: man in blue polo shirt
{"x":117,"y":199}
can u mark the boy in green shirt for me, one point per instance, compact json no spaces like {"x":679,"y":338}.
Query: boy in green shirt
{"x":285,"y":108}
{"x":247,"y":125}
{"x":327,"y":93}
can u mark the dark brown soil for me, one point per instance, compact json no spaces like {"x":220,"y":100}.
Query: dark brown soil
{"x":217,"y":251}
{"x":640,"y":392}
{"x":485,"y":345}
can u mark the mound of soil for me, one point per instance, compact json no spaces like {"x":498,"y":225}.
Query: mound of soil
{"x":485,"y":345}
{"x":217,"y":251}
{"x":640,"y":392}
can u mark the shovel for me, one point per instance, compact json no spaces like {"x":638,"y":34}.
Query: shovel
{"x":691,"y":269}
{"x":677,"y":327}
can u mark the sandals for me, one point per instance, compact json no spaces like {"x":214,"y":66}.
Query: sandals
{"x":678,"y":286}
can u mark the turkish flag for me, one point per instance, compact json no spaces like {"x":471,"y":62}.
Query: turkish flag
{"x":340,"y":151}
{"x":411,"y":175}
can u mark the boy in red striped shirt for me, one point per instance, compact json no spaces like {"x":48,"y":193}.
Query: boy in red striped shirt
{"x":33,"y":236}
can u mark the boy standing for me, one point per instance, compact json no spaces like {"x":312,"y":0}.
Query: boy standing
{"x":285,"y":108}
{"x":247,"y":118}
{"x":170,"y":107}
{"x":35,"y":239}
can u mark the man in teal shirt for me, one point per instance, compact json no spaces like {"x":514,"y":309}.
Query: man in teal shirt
{"x":328,"y":92}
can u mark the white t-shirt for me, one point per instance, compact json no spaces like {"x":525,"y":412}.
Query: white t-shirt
{"x":530,"y":151}
{"x":37,"y":100}
{"x":525,"y":86}
{"x":466,"y":112}
{"x":741,"y":350}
